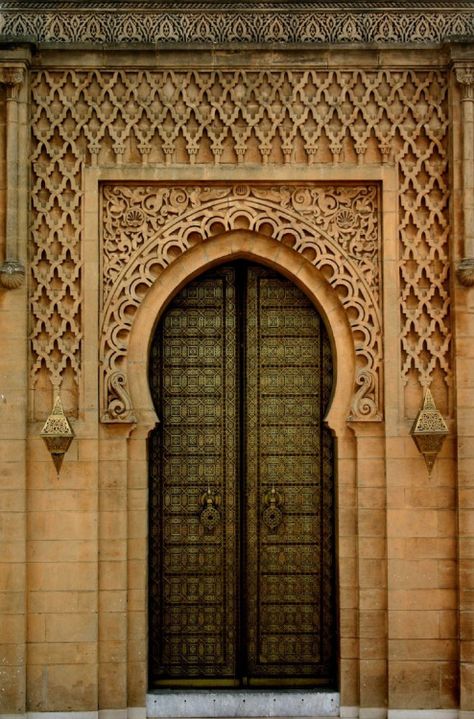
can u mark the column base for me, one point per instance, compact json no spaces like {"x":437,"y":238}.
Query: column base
{"x":465,"y":272}
{"x":12,"y":275}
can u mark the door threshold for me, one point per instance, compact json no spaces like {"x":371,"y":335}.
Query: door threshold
{"x":182,"y":703}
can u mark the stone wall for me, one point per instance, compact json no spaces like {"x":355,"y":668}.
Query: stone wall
{"x":351,"y":172}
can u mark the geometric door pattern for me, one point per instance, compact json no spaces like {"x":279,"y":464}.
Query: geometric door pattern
{"x":241,"y":536}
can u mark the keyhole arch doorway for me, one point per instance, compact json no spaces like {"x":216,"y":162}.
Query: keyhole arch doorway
{"x":251,"y":246}
{"x":205,"y":625}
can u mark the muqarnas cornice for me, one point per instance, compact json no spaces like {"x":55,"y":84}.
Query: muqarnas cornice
{"x":211,"y":23}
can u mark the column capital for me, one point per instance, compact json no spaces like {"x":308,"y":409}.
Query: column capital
{"x":12,"y":275}
{"x":465,"y":77}
{"x":465,"y":272}
{"x":12,"y":76}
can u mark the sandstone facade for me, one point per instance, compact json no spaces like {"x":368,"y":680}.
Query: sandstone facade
{"x":336,"y":147}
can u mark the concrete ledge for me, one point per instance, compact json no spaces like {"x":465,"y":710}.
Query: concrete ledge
{"x":242,"y":703}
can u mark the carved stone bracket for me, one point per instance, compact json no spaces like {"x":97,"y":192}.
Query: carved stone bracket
{"x":336,"y":228}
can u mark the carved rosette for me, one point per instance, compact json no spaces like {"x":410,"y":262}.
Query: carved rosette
{"x":335,"y":228}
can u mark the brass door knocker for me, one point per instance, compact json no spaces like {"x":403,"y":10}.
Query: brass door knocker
{"x":210,"y":515}
{"x":272,"y":514}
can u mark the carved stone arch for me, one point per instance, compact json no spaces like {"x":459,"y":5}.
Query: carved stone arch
{"x":331,"y":228}
{"x":241,"y":244}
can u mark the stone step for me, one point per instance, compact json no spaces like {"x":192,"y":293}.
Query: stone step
{"x":223,"y":703}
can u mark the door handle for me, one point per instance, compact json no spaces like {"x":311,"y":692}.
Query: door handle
{"x":272,"y":514}
{"x":209,"y":515}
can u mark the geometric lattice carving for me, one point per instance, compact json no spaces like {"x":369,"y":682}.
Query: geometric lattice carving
{"x":237,"y":117}
{"x":146,"y":227}
{"x":219,"y":22}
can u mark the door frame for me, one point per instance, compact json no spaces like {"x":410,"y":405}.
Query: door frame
{"x":241,"y":271}
{"x":252,"y":246}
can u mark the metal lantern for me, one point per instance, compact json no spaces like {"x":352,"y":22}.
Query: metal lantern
{"x":429,"y":430}
{"x":57,"y":433}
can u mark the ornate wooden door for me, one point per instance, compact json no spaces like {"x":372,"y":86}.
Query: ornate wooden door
{"x":241,"y":548}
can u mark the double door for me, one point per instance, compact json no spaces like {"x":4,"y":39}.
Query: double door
{"x":241,"y":535}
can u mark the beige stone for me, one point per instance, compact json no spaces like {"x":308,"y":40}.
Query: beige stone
{"x":73,"y":557}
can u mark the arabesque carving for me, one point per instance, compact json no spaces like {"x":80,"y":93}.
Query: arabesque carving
{"x":336,"y":228}
{"x":237,"y":117}
{"x":311,"y":23}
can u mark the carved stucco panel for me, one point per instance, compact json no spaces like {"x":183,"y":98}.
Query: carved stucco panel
{"x":335,"y":227}
{"x":235,"y":117}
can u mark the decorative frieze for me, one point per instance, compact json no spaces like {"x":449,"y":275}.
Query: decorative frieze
{"x":211,"y":23}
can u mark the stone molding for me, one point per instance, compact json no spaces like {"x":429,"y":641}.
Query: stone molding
{"x":12,"y":272}
{"x":210,"y":23}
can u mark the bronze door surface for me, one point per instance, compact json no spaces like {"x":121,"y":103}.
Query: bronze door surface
{"x":241,"y":548}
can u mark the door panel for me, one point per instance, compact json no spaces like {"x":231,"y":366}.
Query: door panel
{"x":240,"y":372}
{"x":193,"y":572}
{"x":288,"y":383}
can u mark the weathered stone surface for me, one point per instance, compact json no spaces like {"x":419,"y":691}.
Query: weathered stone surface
{"x":126,"y":173}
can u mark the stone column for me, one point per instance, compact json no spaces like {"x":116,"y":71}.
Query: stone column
{"x":465,"y":77}
{"x":12,"y":272}
{"x":13,"y":391}
{"x":464,"y":354}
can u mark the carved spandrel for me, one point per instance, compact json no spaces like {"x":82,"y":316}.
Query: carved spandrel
{"x":332,"y":226}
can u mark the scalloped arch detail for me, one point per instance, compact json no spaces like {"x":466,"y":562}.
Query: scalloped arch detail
{"x":333,"y":228}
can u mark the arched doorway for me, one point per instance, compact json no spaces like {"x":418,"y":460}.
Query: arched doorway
{"x":241,"y":548}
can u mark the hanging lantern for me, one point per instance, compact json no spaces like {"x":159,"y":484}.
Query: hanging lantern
{"x":57,"y":433}
{"x":429,"y":430}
